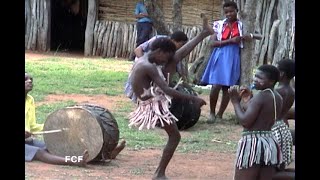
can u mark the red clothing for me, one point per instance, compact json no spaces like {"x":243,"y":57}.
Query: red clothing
{"x":228,"y":32}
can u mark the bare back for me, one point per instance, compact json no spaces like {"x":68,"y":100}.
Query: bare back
{"x":262,"y":107}
{"x":288,"y":94}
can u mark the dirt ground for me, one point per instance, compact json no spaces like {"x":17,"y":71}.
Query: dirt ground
{"x":141,"y":165}
{"x":131,"y":164}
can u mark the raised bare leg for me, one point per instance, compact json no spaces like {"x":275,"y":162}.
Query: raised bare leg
{"x":206,"y":28}
{"x":172,"y":143}
{"x":190,"y":45}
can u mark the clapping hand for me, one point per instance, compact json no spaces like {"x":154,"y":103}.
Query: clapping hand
{"x":234,"y":93}
{"x":245,"y":93}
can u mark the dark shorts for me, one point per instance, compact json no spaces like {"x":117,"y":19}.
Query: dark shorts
{"x":144,"y":31}
{"x":31,"y":148}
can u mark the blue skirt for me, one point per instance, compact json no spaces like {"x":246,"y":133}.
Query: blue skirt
{"x":223,"y":66}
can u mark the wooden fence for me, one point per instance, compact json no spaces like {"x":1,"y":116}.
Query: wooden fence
{"x":117,"y":39}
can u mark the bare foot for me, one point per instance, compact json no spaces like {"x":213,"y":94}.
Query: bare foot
{"x":205,"y":26}
{"x":219,"y":116}
{"x":212,"y":119}
{"x":83,"y":162}
{"x":118,"y":149}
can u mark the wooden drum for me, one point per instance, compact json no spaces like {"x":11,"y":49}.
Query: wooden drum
{"x":87,"y":126}
{"x":186,"y":112}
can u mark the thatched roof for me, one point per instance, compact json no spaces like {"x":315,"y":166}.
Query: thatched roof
{"x":123,"y":10}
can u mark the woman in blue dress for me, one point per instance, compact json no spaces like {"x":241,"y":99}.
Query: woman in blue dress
{"x":223,"y":69}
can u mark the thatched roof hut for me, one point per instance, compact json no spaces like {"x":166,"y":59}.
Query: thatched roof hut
{"x":107,"y":25}
{"x":122,"y":10}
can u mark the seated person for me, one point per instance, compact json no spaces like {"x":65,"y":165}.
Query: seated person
{"x":36,"y":149}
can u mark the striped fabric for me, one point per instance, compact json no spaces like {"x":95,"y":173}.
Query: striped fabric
{"x":257,"y":147}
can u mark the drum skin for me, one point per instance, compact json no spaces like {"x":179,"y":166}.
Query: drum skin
{"x":186,"y":112}
{"x":90,"y":127}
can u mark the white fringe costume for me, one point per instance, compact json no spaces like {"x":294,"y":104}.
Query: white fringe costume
{"x":259,"y":147}
{"x":153,"y":111}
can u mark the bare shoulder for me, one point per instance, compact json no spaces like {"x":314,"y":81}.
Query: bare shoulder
{"x":264,"y":94}
{"x":144,"y":65}
{"x":278,"y":95}
{"x":258,"y":97}
{"x":256,"y":101}
{"x":285,"y":92}
{"x":146,"y":69}
{"x":281,"y":90}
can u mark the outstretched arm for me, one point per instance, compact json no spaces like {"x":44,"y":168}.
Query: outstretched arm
{"x":156,"y":78}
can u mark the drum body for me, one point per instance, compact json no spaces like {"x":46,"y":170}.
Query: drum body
{"x":88,"y":126}
{"x":186,"y":112}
